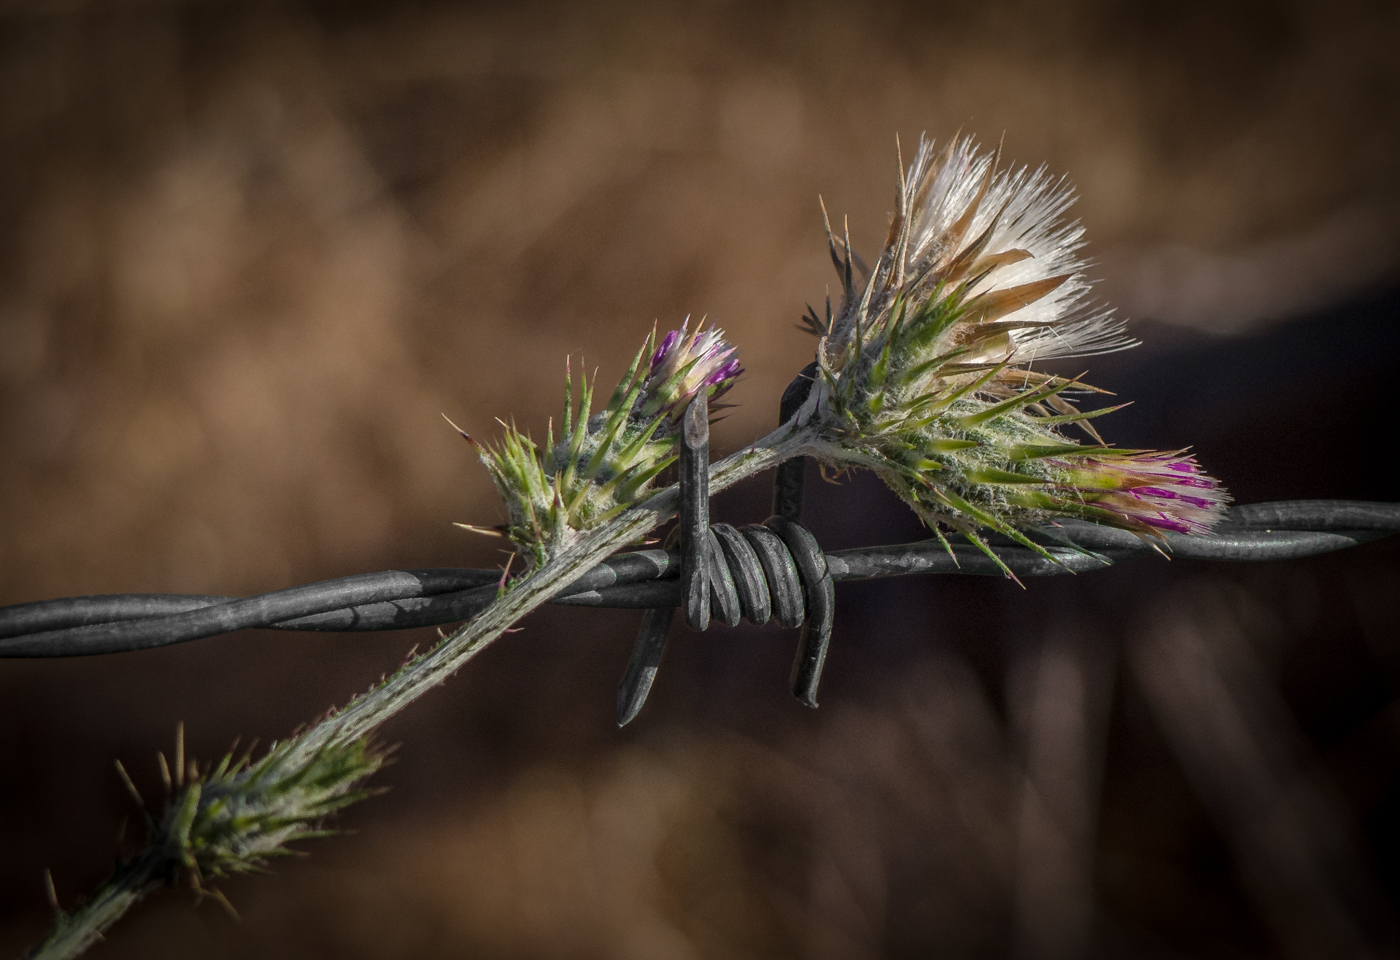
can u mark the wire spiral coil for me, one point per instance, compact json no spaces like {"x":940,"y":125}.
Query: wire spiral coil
{"x":776,"y":570}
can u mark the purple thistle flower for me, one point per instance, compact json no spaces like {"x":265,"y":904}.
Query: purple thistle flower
{"x":728,"y":372}
{"x":685,"y":365}
{"x":665,"y":348}
{"x":1164,"y":491}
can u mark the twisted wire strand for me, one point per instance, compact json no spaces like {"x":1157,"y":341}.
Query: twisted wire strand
{"x":775,"y":570}
{"x":647,"y":579}
{"x":756,"y":572}
{"x":403,"y":599}
{"x":739,"y":566}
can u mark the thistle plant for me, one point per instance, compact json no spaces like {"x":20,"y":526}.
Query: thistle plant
{"x":232,"y":818}
{"x":924,"y":375}
{"x":605,"y":462}
{"x":925,"y":368}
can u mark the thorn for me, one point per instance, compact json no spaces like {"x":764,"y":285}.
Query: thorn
{"x":164,"y":770}
{"x":50,"y":892}
{"x":180,"y":754}
{"x":505,"y":572}
{"x":217,"y":895}
{"x":130,"y":787}
{"x":465,"y":436}
{"x":484,"y":531}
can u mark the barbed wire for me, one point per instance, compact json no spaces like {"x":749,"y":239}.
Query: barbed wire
{"x":644,"y":579}
{"x":753,"y":572}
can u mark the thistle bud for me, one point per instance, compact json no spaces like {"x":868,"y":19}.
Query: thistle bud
{"x":604,"y":463}
{"x":1160,"y":491}
{"x":681,"y":366}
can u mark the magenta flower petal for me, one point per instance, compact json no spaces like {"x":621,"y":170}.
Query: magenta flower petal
{"x":1166,"y":491}
{"x":685,"y":365}
{"x":667,"y":343}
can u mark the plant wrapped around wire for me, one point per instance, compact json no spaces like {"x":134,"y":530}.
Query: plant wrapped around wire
{"x":924,"y":374}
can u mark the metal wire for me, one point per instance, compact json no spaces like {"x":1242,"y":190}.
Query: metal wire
{"x":402,"y":599}
{"x":756,"y":572}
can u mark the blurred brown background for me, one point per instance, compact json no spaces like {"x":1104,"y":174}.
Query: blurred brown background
{"x":249,"y":252}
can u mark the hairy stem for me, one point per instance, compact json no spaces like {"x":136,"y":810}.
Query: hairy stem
{"x":72,"y":933}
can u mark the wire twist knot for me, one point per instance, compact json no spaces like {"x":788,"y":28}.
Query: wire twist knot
{"x":775,"y":570}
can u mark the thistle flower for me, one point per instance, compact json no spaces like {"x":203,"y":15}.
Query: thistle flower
{"x":1166,"y":491}
{"x":605,"y":462}
{"x":925,"y":367}
{"x":682,"y":366}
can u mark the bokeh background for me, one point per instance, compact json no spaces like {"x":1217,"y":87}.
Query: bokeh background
{"x":250,"y":252}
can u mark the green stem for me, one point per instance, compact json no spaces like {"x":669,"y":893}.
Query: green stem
{"x":72,"y":933}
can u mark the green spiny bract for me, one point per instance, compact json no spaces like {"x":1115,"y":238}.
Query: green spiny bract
{"x":926,"y":366}
{"x":604,"y":463}
{"x":239,"y":815}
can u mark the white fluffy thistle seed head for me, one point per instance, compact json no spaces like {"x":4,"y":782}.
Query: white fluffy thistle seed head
{"x":926,"y":365}
{"x":999,"y":240}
